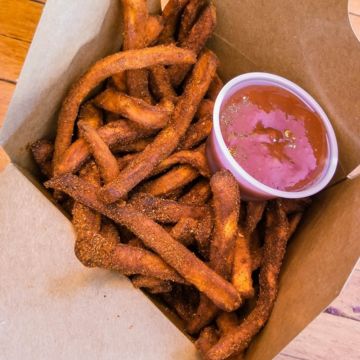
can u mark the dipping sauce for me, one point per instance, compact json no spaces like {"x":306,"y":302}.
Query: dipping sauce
{"x":274,"y":136}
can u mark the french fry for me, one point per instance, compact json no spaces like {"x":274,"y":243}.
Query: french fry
{"x":135,"y":16}
{"x":237,"y":340}
{"x":256,"y":250}
{"x":205,"y":108}
{"x":125,"y":160}
{"x":291,"y":206}
{"x":242,"y":267}
{"x":189,"y":16}
{"x":294,"y":221}
{"x":151,"y":284}
{"x":102,"y":69}
{"x":165,"y":211}
{"x":42,"y":151}
{"x":192,"y":269}
{"x":226,"y":203}
{"x":160,"y":84}
{"x":201,"y":129}
{"x":198,"y":194}
{"x":118,"y":81}
{"x":105,"y":160}
{"x":116,"y":132}
{"x":110,"y":232}
{"x":215,"y":88}
{"x":86,"y":221}
{"x":171,"y":16}
{"x":226,"y":322}
{"x":174,"y":179}
{"x":90,"y":115}
{"x":168,"y":139}
{"x":136,"y":110}
{"x":196,"y":40}
{"x":195,"y":158}
{"x":132,"y":147}
{"x":208,"y":338}
{"x":181,"y":301}
{"x":254,"y":213}
{"x":197,"y":132}
{"x":184,"y":230}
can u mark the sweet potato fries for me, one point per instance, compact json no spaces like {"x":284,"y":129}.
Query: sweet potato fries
{"x":129,"y":163}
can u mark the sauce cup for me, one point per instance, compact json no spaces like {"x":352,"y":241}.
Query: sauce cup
{"x":219,"y":156}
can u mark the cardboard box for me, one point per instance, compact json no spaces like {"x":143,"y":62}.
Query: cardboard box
{"x":53,"y":307}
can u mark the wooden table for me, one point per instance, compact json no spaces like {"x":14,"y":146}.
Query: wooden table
{"x":334,"y":334}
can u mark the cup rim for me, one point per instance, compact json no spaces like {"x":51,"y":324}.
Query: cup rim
{"x":306,"y":98}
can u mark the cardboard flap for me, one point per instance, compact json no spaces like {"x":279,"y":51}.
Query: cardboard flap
{"x":317,"y":264}
{"x":69,"y":38}
{"x":52,"y":307}
{"x":309,"y":42}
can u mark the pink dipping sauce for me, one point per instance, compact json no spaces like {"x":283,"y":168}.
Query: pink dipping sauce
{"x":274,"y":136}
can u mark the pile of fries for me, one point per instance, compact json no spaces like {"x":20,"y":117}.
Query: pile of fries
{"x":129,"y":164}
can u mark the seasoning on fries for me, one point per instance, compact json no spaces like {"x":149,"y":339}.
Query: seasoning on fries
{"x":130,"y":164}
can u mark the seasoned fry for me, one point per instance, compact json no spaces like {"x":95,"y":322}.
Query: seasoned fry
{"x":153,"y":28}
{"x":174,"y":179}
{"x":165,"y":211}
{"x":112,"y":64}
{"x":226,"y":203}
{"x":113,"y":133}
{"x":254,"y":212}
{"x":195,"y":158}
{"x":256,"y":250}
{"x":227,"y":322}
{"x":160,"y":84}
{"x":242,"y":267}
{"x":137,"y":84}
{"x":294,"y":222}
{"x":136,"y":110}
{"x":291,"y":206}
{"x":198,"y":194}
{"x":118,"y":81}
{"x":171,"y":15}
{"x":105,"y":160}
{"x":135,"y":16}
{"x":221,"y":292}
{"x":196,"y":40}
{"x":197,"y":132}
{"x":180,"y":303}
{"x":206,"y":108}
{"x":208,"y":338}
{"x":110,"y":232}
{"x":86,"y":221}
{"x":151,"y":284}
{"x":133,"y":147}
{"x":215,"y":88}
{"x":140,"y":30}
{"x":189,"y":16}
{"x":42,"y":151}
{"x":167,"y":140}
{"x":184,"y":231}
{"x":124,"y":160}
{"x":277,"y":234}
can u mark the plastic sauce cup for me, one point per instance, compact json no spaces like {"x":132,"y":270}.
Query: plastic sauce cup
{"x":219,"y":156}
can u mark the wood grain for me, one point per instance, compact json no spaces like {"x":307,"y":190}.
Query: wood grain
{"x":327,"y":337}
{"x":347,"y":305}
{"x":12,"y":56}
{"x":18,"y":19}
{"x":6,"y":90}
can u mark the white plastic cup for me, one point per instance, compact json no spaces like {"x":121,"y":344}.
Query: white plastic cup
{"x":219,"y":156}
